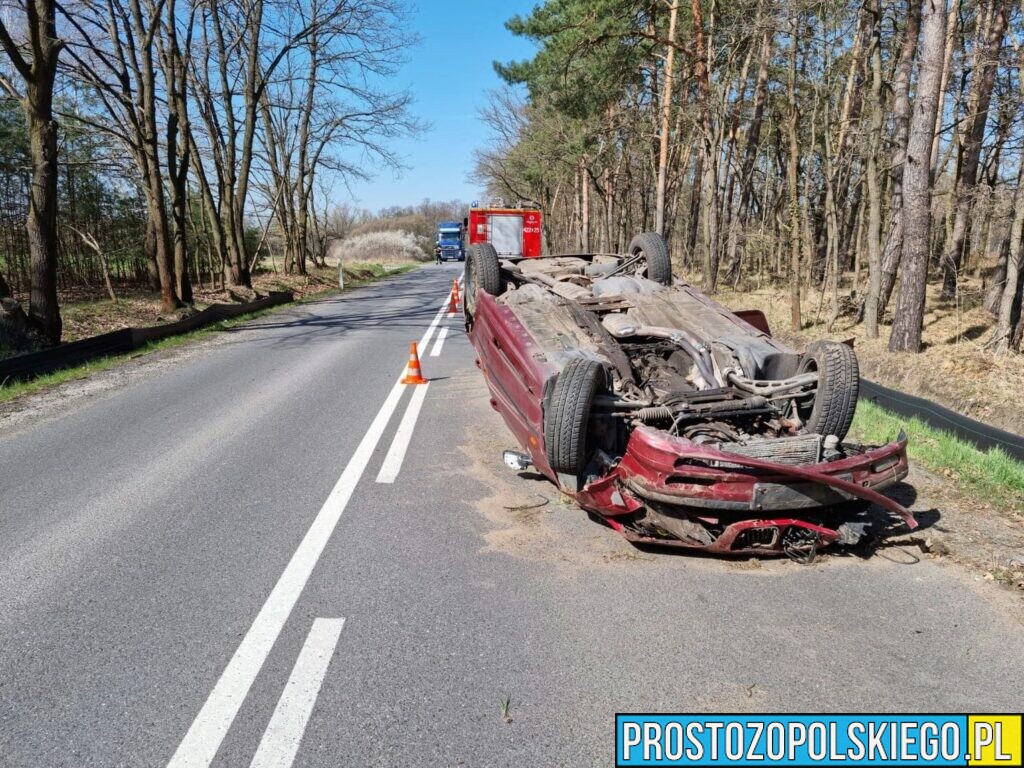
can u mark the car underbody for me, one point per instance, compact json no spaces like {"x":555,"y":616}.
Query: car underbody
{"x":670,"y":417}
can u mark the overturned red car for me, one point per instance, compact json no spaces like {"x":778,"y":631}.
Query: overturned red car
{"x":673,"y":419}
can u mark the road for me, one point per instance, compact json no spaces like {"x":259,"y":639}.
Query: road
{"x":226,"y":559}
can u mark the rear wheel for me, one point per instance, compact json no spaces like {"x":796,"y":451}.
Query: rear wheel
{"x":483,"y":273}
{"x":831,"y":411}
{"x":566,"y":420}
{"x":654,"y":263}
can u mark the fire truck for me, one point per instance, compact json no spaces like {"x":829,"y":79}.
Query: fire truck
{"x":512,"y":231}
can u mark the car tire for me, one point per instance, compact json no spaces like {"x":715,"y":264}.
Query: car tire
{"x":567,"y":417}
{"x":655,"y":251}
{"x":835,"y":401}
{"x":483,"y":273}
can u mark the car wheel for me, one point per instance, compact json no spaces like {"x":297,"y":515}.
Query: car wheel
{"x":831,"y":411}
{"x":483,"y":272}
{"x":567,"y":417}
{"x":655,"y":264}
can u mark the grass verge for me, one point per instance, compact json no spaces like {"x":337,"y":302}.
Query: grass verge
{"x":14,"y":390}
{"x":992,"y":475}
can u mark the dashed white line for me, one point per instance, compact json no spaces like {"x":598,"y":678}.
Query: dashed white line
{"x":204,"y":736}
{"x":433,"y":325}
{"x":280,"y":742}
{"x":396,"y":453}
{"x":441,"y":336}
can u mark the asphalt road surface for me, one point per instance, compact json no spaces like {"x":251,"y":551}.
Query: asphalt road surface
{"x":268,"y":553}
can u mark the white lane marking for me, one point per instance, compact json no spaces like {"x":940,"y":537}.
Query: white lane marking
{"x":281,"y":740}
{"x":433,"y":325}
{"x":211,"y":725}
{"x":441,"y":336}
{"x":403,"y":435}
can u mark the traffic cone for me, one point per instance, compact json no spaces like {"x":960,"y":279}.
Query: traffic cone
{"x":453,"y":300}
{"x":413,"y":374}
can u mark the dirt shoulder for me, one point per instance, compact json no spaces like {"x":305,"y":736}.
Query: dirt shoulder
{"x":954,"y":369}
{"x":961,"y":529}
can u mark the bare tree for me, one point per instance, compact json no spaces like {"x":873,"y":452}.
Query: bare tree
{"x":320,"y":113}
{"x":117,"y":51}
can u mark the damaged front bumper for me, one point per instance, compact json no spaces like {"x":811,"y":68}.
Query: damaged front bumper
{"x":699,"y":496}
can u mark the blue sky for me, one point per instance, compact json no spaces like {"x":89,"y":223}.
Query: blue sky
{"x":449,"y":74}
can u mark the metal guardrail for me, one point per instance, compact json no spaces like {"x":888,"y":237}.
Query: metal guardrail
{"x":28,"y":366}
{"x":938,"y":416}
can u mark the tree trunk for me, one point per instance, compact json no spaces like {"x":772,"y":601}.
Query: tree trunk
{"x":874,"y":233}
{"x":178,"y":142}
{"x":994,"y":294}
{"x":1009,"y":306}
{"x":584,"y":205}
{"x":38,"y":75}
{"x":909,"y":314}
{"x":1007,"y":291}
{"x":792,"y":169}
{"x":708,"y":155}
{"x":666,"y":115}
{"x":947,"y":61}
{"x":970,"y":148}
{"x":41,"y":225}
{"x":738,"y":225}
{"x":901,"y":109}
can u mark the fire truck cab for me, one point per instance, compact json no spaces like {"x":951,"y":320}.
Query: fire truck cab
{"x":514,"y":232}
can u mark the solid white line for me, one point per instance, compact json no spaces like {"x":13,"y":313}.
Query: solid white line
{"x":281,"y":740}
{"x":403,"y":435}
{"x":211,"y":725}
{"x":441,"y":336}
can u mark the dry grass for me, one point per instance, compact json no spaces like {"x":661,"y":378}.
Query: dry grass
{"x":107,"y":313}
{"x":954,"y":368}
{"x":88,"y":313}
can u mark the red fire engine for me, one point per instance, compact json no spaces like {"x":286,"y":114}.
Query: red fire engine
{"x":512,"y":231}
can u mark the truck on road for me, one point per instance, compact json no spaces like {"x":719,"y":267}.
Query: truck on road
{"x":448,"y":245}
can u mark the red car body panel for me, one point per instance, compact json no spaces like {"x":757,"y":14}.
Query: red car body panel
{"x":673,"y":470}
{"x":516,"y":369}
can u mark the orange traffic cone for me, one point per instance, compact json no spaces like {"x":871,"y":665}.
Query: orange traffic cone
{"x":413,"y":374}
{"x":453,"y":300}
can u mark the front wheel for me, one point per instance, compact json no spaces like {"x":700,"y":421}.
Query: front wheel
{"x":567,"y":418}
{"x":831,"y":411}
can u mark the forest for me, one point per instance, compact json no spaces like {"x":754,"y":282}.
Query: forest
{"x":862,"y":156}
{"x":160,"y":142}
